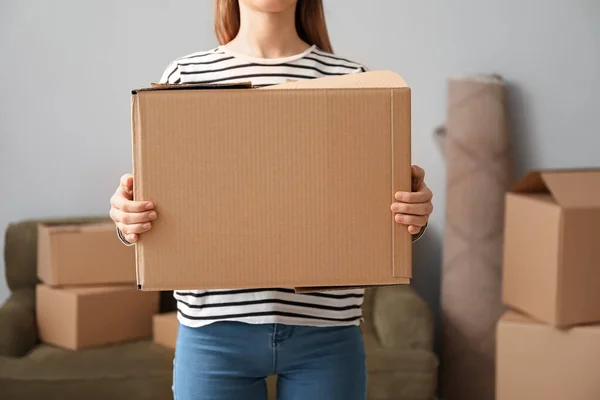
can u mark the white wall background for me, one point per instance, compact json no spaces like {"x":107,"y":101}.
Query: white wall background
{"x":66,"y":68}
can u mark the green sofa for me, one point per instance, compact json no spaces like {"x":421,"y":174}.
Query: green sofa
{"x":398,"y":333}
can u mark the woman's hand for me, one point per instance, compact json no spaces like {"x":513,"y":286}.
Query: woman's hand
{"x":131,"y":217}
{"x":414,"y":208}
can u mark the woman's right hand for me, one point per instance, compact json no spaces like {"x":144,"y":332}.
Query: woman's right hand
{"x":131,"y":217}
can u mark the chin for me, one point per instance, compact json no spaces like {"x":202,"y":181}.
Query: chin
{"x":271,"y":6}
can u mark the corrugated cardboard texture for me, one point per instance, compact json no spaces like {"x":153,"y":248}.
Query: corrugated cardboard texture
{"x":83,"y":255}
{"x":537,"y":361}
{"x":78,"y":318}
{"x":274,"y":188}
{"x":165,"y":329}
{"x":551,"y":249}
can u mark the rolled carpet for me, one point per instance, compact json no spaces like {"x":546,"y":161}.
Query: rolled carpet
{"x":479,"y":172}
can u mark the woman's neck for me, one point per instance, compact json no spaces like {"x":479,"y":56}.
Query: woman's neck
{"x":267,"y":34}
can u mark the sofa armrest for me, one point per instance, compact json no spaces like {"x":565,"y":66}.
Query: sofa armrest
{"x":402,"y":319}
{"x":18,"y":330}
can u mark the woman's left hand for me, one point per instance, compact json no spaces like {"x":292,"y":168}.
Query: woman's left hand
{"x":414,"y":208}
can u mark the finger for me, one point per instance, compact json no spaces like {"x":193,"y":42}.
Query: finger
{"x":422,"y":196}
{"x":124,"y":191}
{"x":406,"y":219}
{"x":131,"y":238}
{"x":122,"y":203}
{"x":132,"y":217}
{"x":127,"y":182}
{"x":129,"y":229}
{"x":417,"y":173}
{"x":412,"y":208}
{"x":413,"y":230}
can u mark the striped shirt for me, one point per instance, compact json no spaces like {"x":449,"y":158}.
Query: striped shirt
{"x":269,"y":305}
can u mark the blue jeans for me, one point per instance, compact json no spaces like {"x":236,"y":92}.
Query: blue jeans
{"x":230,"y":361}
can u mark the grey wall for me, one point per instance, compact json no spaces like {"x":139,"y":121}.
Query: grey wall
{"x":67,"y":67}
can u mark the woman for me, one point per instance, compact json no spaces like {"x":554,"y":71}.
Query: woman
{"x":230,"y":340}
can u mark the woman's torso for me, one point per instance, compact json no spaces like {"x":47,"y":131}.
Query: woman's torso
{"x":271,"y":305}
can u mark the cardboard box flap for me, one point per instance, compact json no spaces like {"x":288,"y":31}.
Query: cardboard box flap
{"x":190,"y":86}
{"x":518,"y":318}
{"x":574,"y":189}
{"x":569,"y":187}
{"x":531,"y":183}
{"x":363,"y":80}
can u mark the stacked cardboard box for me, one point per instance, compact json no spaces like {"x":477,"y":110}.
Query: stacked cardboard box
{"x":548,"y":342}
{"x":165,"y":328}
{"x":88,"y":296}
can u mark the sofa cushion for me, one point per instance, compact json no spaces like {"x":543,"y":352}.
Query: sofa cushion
{"x":402,"y":374}
{"x":402,"y":319}
{"x":138,"y":370}
{"x":18,"y":328}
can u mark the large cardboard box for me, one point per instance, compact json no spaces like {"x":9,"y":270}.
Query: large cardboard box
{"x":538,"y":361}
{"x":288,"y":186}
{"x":165,"y":328}
{"x":552,"y":246}
{"x":84,"y":317}
{"x":83,"y":254}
